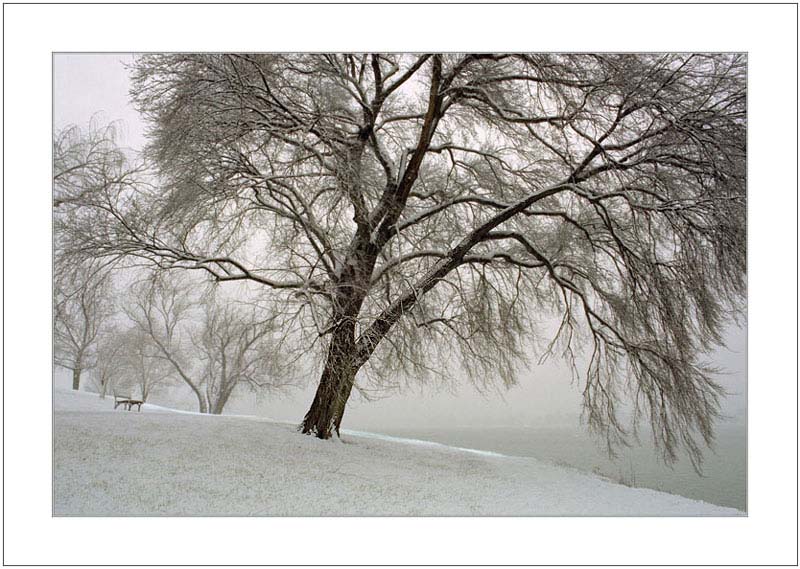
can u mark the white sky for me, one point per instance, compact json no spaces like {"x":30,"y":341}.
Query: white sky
{"x":88,"y":84}
{"x":85,"y":84}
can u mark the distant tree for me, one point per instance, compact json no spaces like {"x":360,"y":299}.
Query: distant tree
{"x":159,"y":310}
{"x":110,"y":351}
{"x":213,"y":347}
{"x":418,"y":210}
{"x":82,"y":305}
{"x":88,"y":161}
{"x":142,"y":370}
{"x":237,"y":349}
{"x":86,"y":164}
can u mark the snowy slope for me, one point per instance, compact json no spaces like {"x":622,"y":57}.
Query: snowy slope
{"x":159,"y":462}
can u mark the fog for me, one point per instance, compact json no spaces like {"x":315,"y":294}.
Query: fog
{"x":85,"y":85}
{"x":544,"y":396}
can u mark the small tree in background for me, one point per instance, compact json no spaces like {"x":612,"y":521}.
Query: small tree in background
{"x":88,"y":161}
{"x":237,"y":349}
{"x":82,"y":306}
{"x":108,"y":369}
{"x":143,"y":372}
{"x":214,"y":346}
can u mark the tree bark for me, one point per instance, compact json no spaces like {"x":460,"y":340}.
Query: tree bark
{"x":343,"y":397}
{"x":218,"y":405}
{"x":343,"y":361}
{"x":76,"y":378}
{"x":326,"y":412}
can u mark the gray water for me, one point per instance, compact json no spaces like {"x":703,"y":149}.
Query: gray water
{"x":724,"y":479}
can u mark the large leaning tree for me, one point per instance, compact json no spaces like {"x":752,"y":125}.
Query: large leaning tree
{"x":420,"y":210}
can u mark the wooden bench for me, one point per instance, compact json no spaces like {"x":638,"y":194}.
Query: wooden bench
{"x":127,"y":402}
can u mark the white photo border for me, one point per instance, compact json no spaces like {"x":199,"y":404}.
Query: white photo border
{"x":768,"y":33}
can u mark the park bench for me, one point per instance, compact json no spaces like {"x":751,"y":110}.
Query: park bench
{"x":127,"y":402}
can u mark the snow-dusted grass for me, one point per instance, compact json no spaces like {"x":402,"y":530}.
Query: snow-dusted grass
{"x":160,"y":462}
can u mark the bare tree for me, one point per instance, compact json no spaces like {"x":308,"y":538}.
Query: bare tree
{"x":238,"y":349}
{"x":110,"y":351}
{"x":82,"y":305}
{"x":86,"y":162}
{"x":421,"y":208}
{"x":142,"y":370}
{"x":160,"y":309}
{"x":213,"y":347}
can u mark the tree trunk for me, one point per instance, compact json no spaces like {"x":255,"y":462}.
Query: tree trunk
{"x":76,"y":378}
{"x":347,"y":387}
{"x":342,"y":363}
{"x":202,"y":401}
{"x":345,"y":357}
{"x":217,"y":407}
{"x":326,"y":412}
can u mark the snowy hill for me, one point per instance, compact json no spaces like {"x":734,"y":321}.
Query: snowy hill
{"x":161,"y":462}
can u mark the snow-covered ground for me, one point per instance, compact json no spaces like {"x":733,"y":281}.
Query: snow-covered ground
{"x":160,"y":462}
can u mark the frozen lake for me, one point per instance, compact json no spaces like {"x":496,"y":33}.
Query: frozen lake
{"x":724,"y":480}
